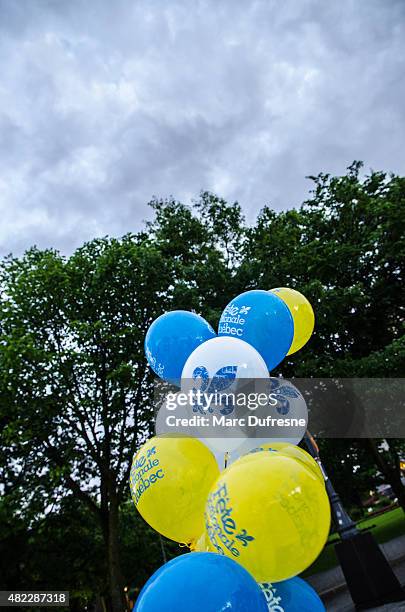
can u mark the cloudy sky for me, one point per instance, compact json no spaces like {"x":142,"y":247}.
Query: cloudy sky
{"x":104,"y":104}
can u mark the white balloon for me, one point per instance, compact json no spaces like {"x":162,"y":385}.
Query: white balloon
{"x":291,"y":404}
{"x":225,"y":445}
{"x":226,"y":357}
{"x":222,"y":365}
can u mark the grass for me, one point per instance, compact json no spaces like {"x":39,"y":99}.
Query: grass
{"x":384,"y":527}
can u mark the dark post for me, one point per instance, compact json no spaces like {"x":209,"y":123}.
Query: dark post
{"x":369,"y":576}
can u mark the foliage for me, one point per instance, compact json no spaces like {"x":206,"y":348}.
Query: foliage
{"x":76,"y":396}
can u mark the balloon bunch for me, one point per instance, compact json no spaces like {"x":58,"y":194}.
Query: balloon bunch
{"x":265,"y":518}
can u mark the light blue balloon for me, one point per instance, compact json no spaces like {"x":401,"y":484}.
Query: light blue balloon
{"x":197,"y":582}
{"x":294,"y":595}
{"x":171,"y":339}
{"x":263,"y":320}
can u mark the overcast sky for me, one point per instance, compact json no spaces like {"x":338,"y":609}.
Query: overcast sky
{"x":104,"y":104}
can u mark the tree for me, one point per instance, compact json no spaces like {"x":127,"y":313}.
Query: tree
{"x":204,"y":247}
{"x":75,"y":389}
{"x":63,"y":550}
{"x":345,"y":250}
{"x":76,"y":393}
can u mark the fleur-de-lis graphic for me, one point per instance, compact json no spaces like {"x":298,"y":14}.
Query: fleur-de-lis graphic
{"x":201,"y":378}
{"x":244,"y":537}
{"x":274,"y":383}
{"x":244,"y":309}
{"x":201,"y":381}
{"x":223,"y":379}
{"x":283,"y":405}
{"x":151,"y":451}
{"x":288,"y":391}
{"x":283,"y":392}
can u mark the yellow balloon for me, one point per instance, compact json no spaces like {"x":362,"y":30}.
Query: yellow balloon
{"x":302,"y":314}
{"x":296,"y":452}
{"x":270,"y":513}
{"x":202,"y":544}
{"x":170,"y":480}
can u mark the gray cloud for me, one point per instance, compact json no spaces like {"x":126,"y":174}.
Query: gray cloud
{"x":105,"y":104}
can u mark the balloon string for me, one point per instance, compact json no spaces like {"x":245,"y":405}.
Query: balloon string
{"x":162,"y":547}
{"x":226,"y":459}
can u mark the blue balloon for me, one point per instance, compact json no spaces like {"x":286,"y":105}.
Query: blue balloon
{"x":263,"y":320}
{"x":201,"y":581}
{"x":294,"y":595}
{"x":171,"y":339}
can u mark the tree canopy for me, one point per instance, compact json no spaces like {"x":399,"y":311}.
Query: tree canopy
{"x":76,"y":395}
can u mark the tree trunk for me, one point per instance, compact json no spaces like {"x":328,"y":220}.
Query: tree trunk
{"x":391,"y":473}
{"x":116,"y":585}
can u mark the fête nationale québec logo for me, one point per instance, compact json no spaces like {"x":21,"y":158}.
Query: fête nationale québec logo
{"x":233,"y":319}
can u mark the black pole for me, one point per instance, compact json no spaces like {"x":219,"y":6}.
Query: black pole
{"x":369,"y":576}
{"x":345,"y":527}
